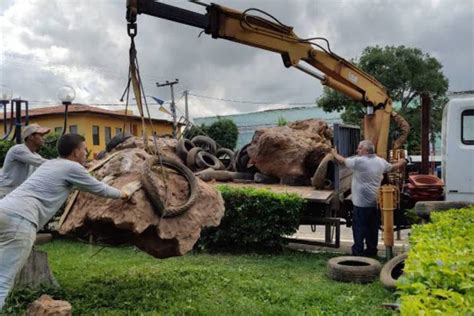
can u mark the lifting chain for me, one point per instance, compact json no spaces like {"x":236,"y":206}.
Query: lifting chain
{"x":134,"y":80}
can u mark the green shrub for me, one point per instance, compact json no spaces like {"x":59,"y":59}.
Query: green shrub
{"x":5,"y":145}
{"x":439,"y":271}
{"x":282,"y":121}
{"x":196,"y":130}
{"x":254,"y":220}
{"x":224,"y":132}
{"x":49,"y":150}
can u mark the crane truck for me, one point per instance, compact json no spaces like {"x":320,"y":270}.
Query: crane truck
{"x":259,"y":29}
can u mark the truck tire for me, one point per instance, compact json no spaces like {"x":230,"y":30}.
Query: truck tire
{"x":206,"y":143}
{"x":353,"y":269}
{"x":183,"y":147}
{"x":392,"y":270}
{"x":151,"y":187}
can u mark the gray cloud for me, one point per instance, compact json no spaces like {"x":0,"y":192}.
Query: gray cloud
{"x":84,"y":44}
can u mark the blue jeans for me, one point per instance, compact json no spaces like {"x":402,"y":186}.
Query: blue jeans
{"x":17,"y":236}
{"x":365,"y":227}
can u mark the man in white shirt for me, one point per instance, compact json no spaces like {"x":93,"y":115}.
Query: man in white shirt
{"x":22,"y":159}
{"x":31,"y":205}
{"x":368,"y":170}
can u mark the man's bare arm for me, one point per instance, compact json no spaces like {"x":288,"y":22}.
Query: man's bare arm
{"x":338,"y":157}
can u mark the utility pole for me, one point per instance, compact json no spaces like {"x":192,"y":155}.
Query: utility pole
{"x":186,"y":111}
{"x":173,"y":106}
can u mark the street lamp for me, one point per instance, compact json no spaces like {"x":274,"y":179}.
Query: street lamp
{"x":66,"y":95}
{"x":5,"y":97}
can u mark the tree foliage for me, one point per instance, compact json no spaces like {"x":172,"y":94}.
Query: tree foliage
{"x":406,"y":73}
{"x":224,"y":132}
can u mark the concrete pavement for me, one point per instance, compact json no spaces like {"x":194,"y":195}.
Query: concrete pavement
{"x":305,"y":232}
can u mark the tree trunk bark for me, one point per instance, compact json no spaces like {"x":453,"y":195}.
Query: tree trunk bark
{"x":36,"y":272}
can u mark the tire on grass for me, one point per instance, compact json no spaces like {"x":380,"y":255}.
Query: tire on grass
{"x":353,"y":269}
{"x":392,"y":270}
{"x":151,"y":187}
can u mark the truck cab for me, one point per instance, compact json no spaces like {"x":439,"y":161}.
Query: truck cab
{"x":458,"y":147}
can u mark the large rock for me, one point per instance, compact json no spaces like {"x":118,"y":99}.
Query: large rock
{"x":291,"y":151}
{"x":136,"y":221}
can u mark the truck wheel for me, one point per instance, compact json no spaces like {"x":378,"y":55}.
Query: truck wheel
{"x":151,"y":187}
{"x":392,"y":270}
{"x":183,"y":147}
{"x":206,"y":143}
{"x":353,"y":269}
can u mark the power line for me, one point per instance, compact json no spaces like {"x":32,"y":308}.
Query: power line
{"x":250,"y":102}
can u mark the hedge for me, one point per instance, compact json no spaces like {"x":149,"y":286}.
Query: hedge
{"x":439,"y":271}
{"x":254,"y":220}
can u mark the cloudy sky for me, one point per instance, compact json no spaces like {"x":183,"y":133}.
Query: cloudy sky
{"x":49,"y":43}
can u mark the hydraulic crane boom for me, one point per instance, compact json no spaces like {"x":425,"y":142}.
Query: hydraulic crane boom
{"x":272,"y":35}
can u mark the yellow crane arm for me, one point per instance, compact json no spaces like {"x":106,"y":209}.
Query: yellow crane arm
{"x":272,"y":35}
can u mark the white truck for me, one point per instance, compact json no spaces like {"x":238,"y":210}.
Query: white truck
{"x":458,"y":147}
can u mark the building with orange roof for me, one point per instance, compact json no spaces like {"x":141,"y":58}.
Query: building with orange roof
{"x":97,"y":125}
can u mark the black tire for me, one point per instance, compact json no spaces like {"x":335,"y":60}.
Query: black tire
{"x":263,"y":178}
{"x":117,"y":140}
{"x":226,"y":157}
{"x":206,"y":160}
{"x":183,"y":147}
{"x":151,"y":188}
{"x":42,"y":238}
{"x":353,"y":269}
{"x":191,"y":158}
{"x":206,"y":143}
{"x":241,"y":160}
{"x":101,"y":155}
{"x":317,"y":181}
{"x":392,"y":270}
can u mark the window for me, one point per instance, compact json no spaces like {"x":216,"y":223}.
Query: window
{"x":95,"y":135}
{"x":108,"y":134}
{"x":118,"y":130}
{"x":58,"y":130}
{"x":467,"y":127}
{"x":73,"y":129}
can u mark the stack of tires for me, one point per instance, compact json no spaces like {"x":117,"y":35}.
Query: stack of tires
{"x":201,"y":153}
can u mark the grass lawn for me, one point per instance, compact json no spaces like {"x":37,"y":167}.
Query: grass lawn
{"x":122,"y":281}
